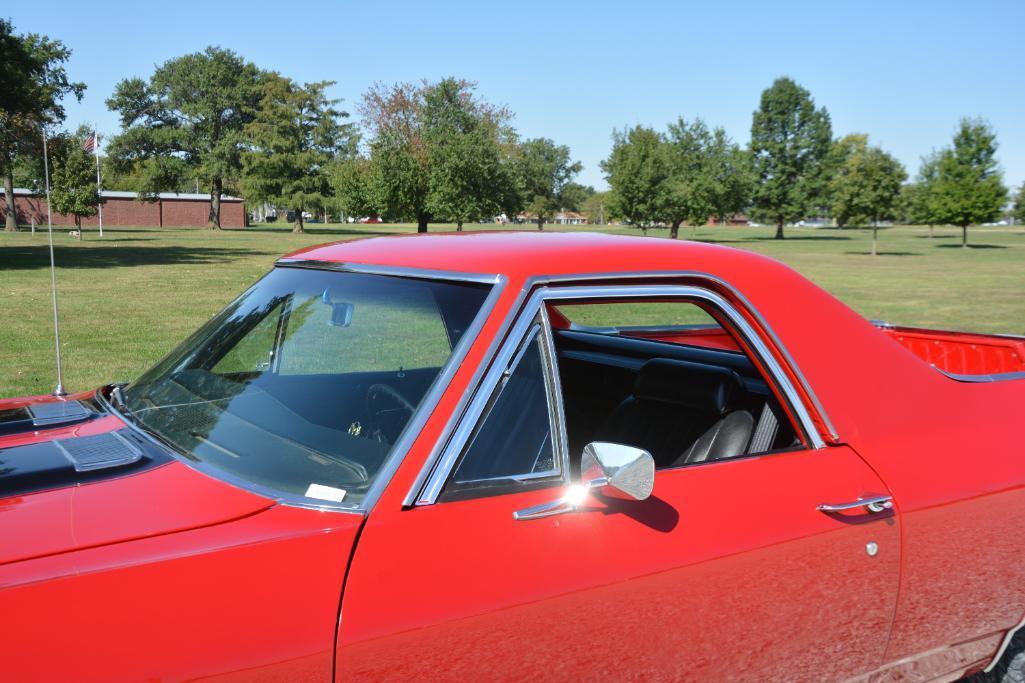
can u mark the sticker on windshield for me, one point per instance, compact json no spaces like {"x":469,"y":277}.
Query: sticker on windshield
{"x":325,"y":493}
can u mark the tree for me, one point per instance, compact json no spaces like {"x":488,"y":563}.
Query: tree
{"x":866,"y":188}
{"x":969,"y":186}
{"x":33,"y":84}
{"x":295,"y":135}
{"x":686,"y":192}
{"x":575,"y":196}
{"x":596,"y":208}
{"x":74,"y":189}
{"x":468,"y":144}
{"x":186,"y":123}
{"x":352,"y":187}
{"x":543,"y":170}
{"x":436,"y":150}
{"x":1019,"y":204}
{"x":728,"y":172}
{"x":919,"y":198}
{"x":790,"y":139}
{"x":637,"y":170}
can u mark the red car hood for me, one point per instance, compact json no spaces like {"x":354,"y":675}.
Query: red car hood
{"x":111,"y":506}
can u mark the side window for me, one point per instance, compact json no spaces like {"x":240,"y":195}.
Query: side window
{"x":513,"y":441}
{"x":666,"y":376}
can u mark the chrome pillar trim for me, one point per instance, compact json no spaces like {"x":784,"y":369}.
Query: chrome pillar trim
{"x":557,"y":413}
{"x":398,"y":271}
{"x":433,"y":395}
{"x":464,"y":400}
{"x":1003,"y":645}
{"x":452,"y":446}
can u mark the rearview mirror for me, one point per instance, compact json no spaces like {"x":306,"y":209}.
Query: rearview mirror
{"x":626,"y":469}
{"x":341,"y":311}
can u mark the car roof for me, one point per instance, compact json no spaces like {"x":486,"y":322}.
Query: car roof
{"x":525,"y":254}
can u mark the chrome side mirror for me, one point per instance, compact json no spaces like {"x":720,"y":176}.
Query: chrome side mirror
{"x":623,"y":468}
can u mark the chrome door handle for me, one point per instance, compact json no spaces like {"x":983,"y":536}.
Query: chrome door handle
{"x":872,"y":504}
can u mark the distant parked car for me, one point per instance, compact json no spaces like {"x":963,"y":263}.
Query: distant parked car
{"x":371,"y":219}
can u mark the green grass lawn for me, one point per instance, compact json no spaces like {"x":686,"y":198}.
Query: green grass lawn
{"x":128,"y":299}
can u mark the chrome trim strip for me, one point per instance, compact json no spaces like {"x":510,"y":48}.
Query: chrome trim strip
{"x":557,"y":412}
{"x":398,"y":271}
{"x":976,"y":379}
{"x":1003,"y":645}
{"x":467,"y":421}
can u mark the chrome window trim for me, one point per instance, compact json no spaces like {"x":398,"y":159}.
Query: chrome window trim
{"x":535,"y":332}
{"x":631,"y":277}
{"x":417,"y":420}
{"x":441,"y":468}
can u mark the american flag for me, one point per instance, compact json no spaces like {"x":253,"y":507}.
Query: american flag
{"x":90,"y":142}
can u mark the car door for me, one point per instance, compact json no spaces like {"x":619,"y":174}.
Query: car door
{"x":730,"y":570}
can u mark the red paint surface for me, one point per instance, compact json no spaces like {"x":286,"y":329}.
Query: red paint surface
{"x":729,"y":571}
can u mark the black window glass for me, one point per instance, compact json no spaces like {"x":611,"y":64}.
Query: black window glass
{"x":515,"y":438}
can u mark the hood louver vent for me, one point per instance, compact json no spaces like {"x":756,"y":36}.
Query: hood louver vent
{"x":99,"y":452}
{"x":59,"y":412}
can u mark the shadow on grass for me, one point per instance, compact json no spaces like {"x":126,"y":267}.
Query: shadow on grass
{"x":971,"y":246}
{"x":35,"y":257}
{"x":884,"y":253}
{"x":318,"y":231}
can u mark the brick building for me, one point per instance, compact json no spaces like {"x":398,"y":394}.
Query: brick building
{"x":169,"y":210}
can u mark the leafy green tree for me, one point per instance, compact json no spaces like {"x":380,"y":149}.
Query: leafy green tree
{"x":1019,"y":204}
{"x":468,"y":142}
{"x":575,"y":196}
{"x":437,"y":151}
{"x":686,"y":192}
{"x":728,"y":176}
{"x":919,"y":200}
{"x":867,"y":188}
{"x":186,"y":123}
{"x":33,"y":84}
{"x":352,"y":191}
{"x":790,"y":140}
{"x":296,"y":134}
{"x":637,"y":170}
{"x":543,"y":170}
{"x":73,"y":188}
{"x":597,"y":208}
{"x":969,"y":186}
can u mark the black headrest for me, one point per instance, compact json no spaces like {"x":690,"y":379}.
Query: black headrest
{"x":696,"y":386}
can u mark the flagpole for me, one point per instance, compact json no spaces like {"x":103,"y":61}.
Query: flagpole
{"x":99,"y":190}
{"x":59,"y":391}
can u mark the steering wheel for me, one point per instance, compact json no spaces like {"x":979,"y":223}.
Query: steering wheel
{"x":387,"y":421}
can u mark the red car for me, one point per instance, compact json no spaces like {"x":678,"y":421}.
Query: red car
{"x":524,"y":456}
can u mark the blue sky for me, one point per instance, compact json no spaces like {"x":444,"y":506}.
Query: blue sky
{"x":903,"y":72}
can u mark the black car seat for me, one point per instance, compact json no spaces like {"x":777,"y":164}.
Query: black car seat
{"x":680,"y":413}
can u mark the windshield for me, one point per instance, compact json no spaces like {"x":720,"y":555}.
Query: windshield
{"x":303,"y":384}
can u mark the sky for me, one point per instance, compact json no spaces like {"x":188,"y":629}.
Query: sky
{"x":904,"y":72}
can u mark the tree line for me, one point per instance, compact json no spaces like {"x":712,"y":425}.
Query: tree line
{"x":437,"y":151}
{"x":793,"y":168}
